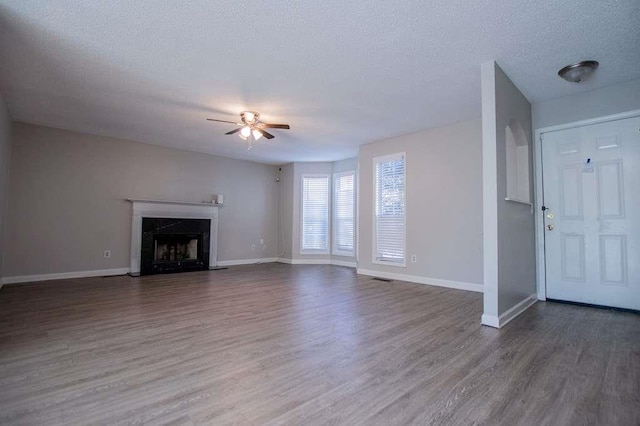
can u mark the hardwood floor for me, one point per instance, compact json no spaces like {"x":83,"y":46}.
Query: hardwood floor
{"x":283,"y":344}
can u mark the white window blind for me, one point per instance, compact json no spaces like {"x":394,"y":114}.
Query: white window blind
{"x":344,"y":213}
{"x":315,"y":213}
{"x":390,"y":220}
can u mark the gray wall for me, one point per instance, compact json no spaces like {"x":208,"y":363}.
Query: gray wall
{"x":68,"y":191}
{"x":444,"y":202}
{"x":592,"y":104}
{"x":5,"y":157}
{"x":509,"y":254}
{"x":285,"y":209}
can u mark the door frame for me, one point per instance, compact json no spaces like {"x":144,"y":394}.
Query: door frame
{"x":541,"y":280}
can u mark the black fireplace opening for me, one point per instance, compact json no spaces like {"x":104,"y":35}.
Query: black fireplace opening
{"x":174,"y":248}
{"x":174,"y":245}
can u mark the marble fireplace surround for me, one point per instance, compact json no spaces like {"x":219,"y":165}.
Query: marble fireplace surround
{"x":174,"y":210}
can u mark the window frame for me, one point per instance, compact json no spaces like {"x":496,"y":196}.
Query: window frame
{"x":327,"y":250}
{"x":375,"y":260}
{"x":334,"y":238}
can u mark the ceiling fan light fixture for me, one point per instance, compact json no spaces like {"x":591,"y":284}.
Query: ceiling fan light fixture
{"x":245,"y":132}
{"x":578,"y":72}
{"x":251,"y":125}
{"x":249,"y":117}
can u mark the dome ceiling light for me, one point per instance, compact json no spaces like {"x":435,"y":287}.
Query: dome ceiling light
{"x":576,"y":73}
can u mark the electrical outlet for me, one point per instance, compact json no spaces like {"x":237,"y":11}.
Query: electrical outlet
{"x":261,"y":240}
{"x":107,"y":254}
{"x":414,"y":258}
{"x":253,"y":247}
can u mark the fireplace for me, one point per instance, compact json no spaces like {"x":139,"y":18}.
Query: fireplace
{"x":174,"y":245}
{"x":166,"y":241}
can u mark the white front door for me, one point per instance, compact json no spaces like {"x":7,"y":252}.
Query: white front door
{"x":591,"y":189}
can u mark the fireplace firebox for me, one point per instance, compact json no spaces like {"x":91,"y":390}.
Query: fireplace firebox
{"x":174,"y":245}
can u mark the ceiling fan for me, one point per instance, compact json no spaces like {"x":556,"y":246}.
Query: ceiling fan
{"x":251,"y":128}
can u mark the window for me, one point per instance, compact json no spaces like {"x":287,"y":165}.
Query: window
{"x":344,"y":213}
{"x":390,"y":220}
{"x":315,"y":214}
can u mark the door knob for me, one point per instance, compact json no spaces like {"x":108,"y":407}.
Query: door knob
{"x":549,"y":227}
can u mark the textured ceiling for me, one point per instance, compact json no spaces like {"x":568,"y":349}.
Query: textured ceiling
{"x":341,"y":73}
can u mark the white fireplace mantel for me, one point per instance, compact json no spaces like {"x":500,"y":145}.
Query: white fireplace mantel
{"x":173,"y":210}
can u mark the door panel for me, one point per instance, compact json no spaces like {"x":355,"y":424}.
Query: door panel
{"x":573,"y":263}
{"x":571,"y":192}
{"x":610,"y":190}
{"x":613,"y":259}
{"x":591,"y":187}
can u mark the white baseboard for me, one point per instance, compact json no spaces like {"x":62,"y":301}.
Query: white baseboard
{"x":343,"y":263}
{"x":490,"y":320}
{"x":459,"y":285}
{"x":64,"y":275}
{"x":506,"y":317}
{"x":309,"y":261}
{"x":246,"y":261}
{"x":122,"y":271}
{"x":316,"y":262}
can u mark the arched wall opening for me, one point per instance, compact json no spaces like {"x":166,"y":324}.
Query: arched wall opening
{"x":518,"y":183}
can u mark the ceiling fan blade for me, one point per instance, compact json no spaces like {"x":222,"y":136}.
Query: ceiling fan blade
{"x":274,"y":126}
{"x":234,"y":131}
{"x":265,"y":134}
{"x":221,"y":121}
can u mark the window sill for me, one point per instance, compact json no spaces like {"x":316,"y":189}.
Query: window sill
{"x":514,"y":200}
{"x":387,"y":263}
{"x":343,"y":253}
{"x":312,"y":252}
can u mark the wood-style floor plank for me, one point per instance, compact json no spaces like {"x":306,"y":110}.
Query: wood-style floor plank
{"x":282,"y":344}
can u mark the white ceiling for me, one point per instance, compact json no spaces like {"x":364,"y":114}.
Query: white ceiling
{"x":340,"y":73}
